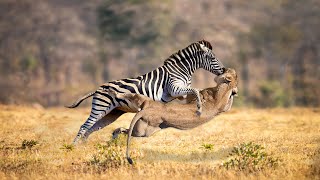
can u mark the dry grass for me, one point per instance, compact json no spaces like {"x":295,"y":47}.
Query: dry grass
{"x":34,"y":144}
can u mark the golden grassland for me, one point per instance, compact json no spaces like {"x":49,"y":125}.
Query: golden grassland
{"x":291,"y":135}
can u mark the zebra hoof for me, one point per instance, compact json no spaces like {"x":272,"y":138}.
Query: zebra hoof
{"x":115,"y":135}
{"x":198,"y":112}
{"x":116,"y":132}
{"x":76,"y":141}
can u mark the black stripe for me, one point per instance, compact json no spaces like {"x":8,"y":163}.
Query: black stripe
{"x":105,"y":86}
{"x":97,"y":109}
{"x":110,"y":87}
{"x":107,"y":96}
{"x":140,"y":88}
{"x":101,"y":93}
{"x":188,"y":68}
{"x":121,"y":100}
{"x":102,"y":100}
{"x":131,"y":89}
{"x":152,"y":82}
{"x":139,"y":78}
{"x":99,"y":105}
{"x":178,"y":65}
{"x":165,"y":80}
{"x":185,"y":54}
{"x":190,"y":58}
{"x":115,"y":89}
{"x":130,"y":81}
{"x":146,"y":87}
{"x":94,"y":113}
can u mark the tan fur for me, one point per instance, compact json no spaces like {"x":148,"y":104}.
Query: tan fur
{"x":155,"y":115}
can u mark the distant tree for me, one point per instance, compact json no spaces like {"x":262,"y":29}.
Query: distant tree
{"x":289,"y":43}
{"x":133,"y":30}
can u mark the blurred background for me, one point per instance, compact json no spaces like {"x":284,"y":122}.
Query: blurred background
{"x":53,"y":51}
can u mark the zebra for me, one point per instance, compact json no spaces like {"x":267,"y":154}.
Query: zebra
{"x":165,"y":83}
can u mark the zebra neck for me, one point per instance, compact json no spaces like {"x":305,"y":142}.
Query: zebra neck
{"x":196,"y":67}
{"x":186,"y":66}
{"x":186,"y":61}
{"x":194,"y":64}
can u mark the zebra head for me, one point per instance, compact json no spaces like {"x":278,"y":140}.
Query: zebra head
{"x":210,"y":62}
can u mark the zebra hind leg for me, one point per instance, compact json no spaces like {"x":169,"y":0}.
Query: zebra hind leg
{"x":92,"y":119}
{"x":105,"y":121}
{"x":118,"y":131}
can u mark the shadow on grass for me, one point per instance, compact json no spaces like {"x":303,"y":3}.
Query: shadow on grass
{"x":192,"y":156}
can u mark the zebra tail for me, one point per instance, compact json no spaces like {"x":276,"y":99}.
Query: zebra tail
{"x":76,"y":104}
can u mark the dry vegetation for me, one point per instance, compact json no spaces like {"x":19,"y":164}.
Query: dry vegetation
{"x":34,"y":143}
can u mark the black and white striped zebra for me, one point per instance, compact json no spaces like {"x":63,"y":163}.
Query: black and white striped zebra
{"x":165,"y":83}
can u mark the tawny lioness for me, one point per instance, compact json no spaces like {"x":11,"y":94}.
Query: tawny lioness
{"x":155,"y":116}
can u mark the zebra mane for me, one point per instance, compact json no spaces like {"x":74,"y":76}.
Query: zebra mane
{"x":206,"y":43}
{"x":195,"y":45}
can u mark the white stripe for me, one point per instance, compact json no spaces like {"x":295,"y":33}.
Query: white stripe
{"x":150,"y":89}
{"x":144,"y":87}
{"x":155,"y":84}
{"x":160,"y":89}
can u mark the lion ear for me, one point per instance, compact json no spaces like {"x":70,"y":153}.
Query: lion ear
{"x":228,"y":78}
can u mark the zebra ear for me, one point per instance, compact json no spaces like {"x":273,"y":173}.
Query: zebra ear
{"x":206,"y":43}
{"x":203,"y":48}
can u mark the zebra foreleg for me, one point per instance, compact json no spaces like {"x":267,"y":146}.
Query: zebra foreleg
{"x":180,"y":91}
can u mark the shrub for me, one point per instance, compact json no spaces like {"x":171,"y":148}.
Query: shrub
{"x":67,"y":147}
{"x":111,"y":154}
{"x":28,"y":144}
{"x":273,"y":94}
{"x":251,"y":157}
{"x":207,"y":146}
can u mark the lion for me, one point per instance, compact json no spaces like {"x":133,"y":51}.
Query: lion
{"x":154,"y":116}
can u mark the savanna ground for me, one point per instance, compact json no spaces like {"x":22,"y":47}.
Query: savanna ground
{"x":34,"y":144}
